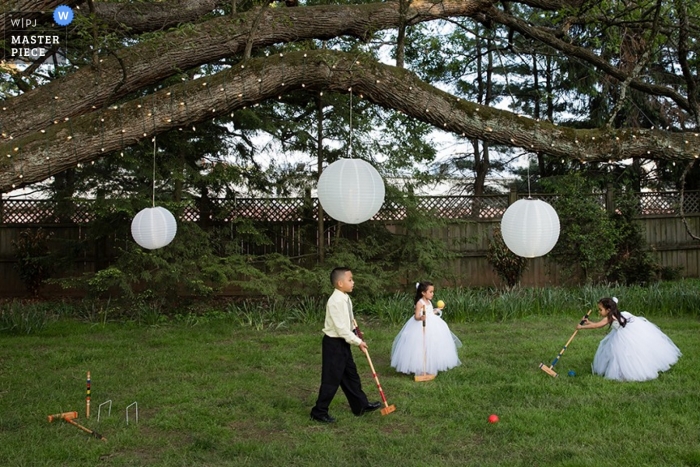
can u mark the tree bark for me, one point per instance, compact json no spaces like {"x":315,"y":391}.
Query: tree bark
{"x":173,"y":52}
{"x":39,"y":155}
{"x":137,"y":18}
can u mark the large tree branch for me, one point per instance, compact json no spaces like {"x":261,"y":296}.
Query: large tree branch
{"x":145,"y":17}
{"x":37,"y":156}
{"x":586,"y":55}
{"x":151,"y":61}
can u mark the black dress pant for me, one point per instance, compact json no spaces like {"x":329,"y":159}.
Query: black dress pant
{"x":338,"y":369}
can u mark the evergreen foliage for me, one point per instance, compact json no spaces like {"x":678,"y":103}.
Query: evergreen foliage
{"x":509,"y":266}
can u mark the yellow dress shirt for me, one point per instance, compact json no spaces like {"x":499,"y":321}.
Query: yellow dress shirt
{"x":339,"y":318}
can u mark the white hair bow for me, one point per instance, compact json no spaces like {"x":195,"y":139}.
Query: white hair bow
{"x":614,"y":299}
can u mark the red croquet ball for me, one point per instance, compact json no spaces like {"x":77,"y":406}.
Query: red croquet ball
{"x":493,"y":418}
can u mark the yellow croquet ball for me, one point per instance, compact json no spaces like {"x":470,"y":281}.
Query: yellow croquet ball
{"x":441,"y":304}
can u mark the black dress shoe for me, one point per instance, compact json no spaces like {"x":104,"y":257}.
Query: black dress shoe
{"x":323,"y":419}
{"x":371,"y":407}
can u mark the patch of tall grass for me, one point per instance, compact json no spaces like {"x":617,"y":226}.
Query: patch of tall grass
{"x":463,"y":305}
{"x":25,"y":318}
{"x":678,"y":298}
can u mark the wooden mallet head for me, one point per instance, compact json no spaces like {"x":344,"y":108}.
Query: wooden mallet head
{"x":63,"y":416}
{"x":548,"y":370}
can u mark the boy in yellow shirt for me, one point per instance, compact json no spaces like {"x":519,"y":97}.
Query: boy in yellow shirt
{"x":338,"y":367}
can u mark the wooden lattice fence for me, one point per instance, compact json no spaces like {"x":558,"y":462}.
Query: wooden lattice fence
{"x":291,"y":226}
{"x":489,"y":207}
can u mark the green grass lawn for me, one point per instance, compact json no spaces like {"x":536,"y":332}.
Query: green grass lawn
{"x":216,"y":394}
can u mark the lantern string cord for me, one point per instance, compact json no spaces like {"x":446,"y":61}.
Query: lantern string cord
{"x":528,"y":179}
{"x":153,"y":198}
{"x":350,"y":142}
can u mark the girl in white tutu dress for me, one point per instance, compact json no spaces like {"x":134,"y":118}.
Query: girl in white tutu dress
{"x":634,"y":350}
{"x":410,"y":353}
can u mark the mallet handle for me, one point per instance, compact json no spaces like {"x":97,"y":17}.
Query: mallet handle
{"x":585,"y":317}
{"x":561,"y":352}
{"x":376,"y":379}
{"x":425,"y":348}
{"x":369,"y":360}
{"x":358,"y":333}
{"x":86,"y":430}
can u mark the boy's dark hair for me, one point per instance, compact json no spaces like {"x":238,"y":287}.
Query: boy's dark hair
{"x":337,"y":274}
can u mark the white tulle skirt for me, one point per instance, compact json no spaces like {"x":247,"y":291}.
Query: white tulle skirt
{"x":637,"y":352}
{"x":409,"y":355}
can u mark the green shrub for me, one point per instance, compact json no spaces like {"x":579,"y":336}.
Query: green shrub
{"x":509,"y":266}
{"x":34,"y":264}
{"x":631,"y":263}
{"x":588,"y":237}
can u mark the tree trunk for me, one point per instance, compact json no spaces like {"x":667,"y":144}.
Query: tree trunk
{"x":319,"y":163}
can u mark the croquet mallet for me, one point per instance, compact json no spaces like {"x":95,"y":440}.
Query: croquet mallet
{"x":550,"y":369}
{"x":387,"y":408}
{"x":425,"y":376}
{"x":63,"y":416}
{"x":68,"y":417}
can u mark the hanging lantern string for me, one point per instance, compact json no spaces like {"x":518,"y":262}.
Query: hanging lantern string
{"x":350,"y":144}
{"x":528,"y":179}
{"x":153,"y":199}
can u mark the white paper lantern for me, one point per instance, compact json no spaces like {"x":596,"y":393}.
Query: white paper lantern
{"x":530,"y":228}
{"x":351,"y":190}
{"x":153,"y":227}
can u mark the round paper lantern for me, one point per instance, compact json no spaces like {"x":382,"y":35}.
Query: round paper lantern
{"x":530,"y":228}
{"x":351,"y":190}
{"x":153,"y":227}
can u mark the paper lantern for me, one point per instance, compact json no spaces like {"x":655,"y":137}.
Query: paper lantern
{"x":153,"y":227}
{"x":530,"y":228}
{"x":351,"y":190}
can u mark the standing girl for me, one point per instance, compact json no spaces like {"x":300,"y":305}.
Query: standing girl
{"x":410,"y":353}
{"x":634,"y":350}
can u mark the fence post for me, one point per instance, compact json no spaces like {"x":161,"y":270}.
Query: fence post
{"x":513,"y":194}
{"x":610,"y":198}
